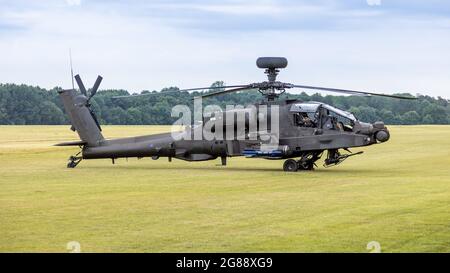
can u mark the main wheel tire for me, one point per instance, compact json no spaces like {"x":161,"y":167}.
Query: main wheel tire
{"x":290,"y":165}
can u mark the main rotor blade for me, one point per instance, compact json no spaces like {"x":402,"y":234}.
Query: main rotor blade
{"x":246,"y":87}
{"x":212,"y":87}
{"x":96,"y":85}
{"x":81,"y":85}
{"x":180,"y":90}
{"x":352,"y":92}
{"x":145,"y":94}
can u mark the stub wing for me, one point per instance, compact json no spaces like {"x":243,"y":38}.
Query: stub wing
{"x":72,"y":143}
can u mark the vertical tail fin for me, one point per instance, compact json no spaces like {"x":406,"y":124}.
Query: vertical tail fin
{"x":81,"y":117}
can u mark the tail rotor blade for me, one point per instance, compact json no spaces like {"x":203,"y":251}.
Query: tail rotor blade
{"x":94,"y":116}
{"x":80,"y":84}
{"x":96,"y":85}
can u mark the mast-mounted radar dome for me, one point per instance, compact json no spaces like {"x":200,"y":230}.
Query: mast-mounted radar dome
{"x":271,"y":62}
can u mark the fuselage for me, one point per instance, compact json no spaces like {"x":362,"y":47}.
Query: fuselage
{"x":330,"y":129}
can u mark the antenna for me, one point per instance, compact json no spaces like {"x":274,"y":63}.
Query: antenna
{"x":71,"y":68}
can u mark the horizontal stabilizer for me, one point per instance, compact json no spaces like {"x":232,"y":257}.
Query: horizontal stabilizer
{"x":72,"y":143}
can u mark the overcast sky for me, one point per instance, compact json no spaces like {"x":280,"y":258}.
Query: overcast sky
{"x":374,"y":45}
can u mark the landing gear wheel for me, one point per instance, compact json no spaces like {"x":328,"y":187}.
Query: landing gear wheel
{"x":73,"y":162}
{"x":290,"y":165}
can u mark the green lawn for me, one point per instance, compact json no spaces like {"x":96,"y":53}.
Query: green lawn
{"x":396,"y":193}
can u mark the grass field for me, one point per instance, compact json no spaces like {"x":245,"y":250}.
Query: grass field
{"x":396,"y":193}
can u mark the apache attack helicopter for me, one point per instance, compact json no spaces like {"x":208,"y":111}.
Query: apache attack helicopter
{"x":305,"y":130}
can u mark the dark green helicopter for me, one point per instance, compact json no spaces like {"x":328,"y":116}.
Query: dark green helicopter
{"x":296,"y":131}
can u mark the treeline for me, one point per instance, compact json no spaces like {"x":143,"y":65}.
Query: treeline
{"x":23,"y":104}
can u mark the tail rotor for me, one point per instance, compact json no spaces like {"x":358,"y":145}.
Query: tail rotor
{"x":93,"y":91}
{"x":95,"y":87}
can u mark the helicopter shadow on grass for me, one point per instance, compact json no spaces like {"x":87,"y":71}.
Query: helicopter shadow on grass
{"x":219,"y":168}
{"x":214,"y":168}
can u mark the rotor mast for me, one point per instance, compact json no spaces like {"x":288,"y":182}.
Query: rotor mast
{"x":272,"y":67}
{"x":272,"y":74}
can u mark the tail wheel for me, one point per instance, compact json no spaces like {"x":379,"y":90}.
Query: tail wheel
{"x":290,"y":165}
{"x":74,"y":161}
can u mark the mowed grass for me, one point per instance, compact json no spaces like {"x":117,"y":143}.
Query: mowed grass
{"x":396,"y":193}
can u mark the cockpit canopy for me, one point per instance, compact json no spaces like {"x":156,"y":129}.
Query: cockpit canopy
{"x":340,"y":112}
{"x":312,"y":107}
{"x":305,"y":107}
{"x":330,"y":117}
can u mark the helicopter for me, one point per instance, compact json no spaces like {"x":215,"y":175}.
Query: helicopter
{"x":298,"y":132}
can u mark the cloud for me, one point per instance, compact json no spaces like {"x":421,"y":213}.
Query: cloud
{"x":155,"y":44}
{"x":73,"y":2}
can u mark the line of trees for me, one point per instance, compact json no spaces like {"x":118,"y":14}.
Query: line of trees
{"x":24,"y":104}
